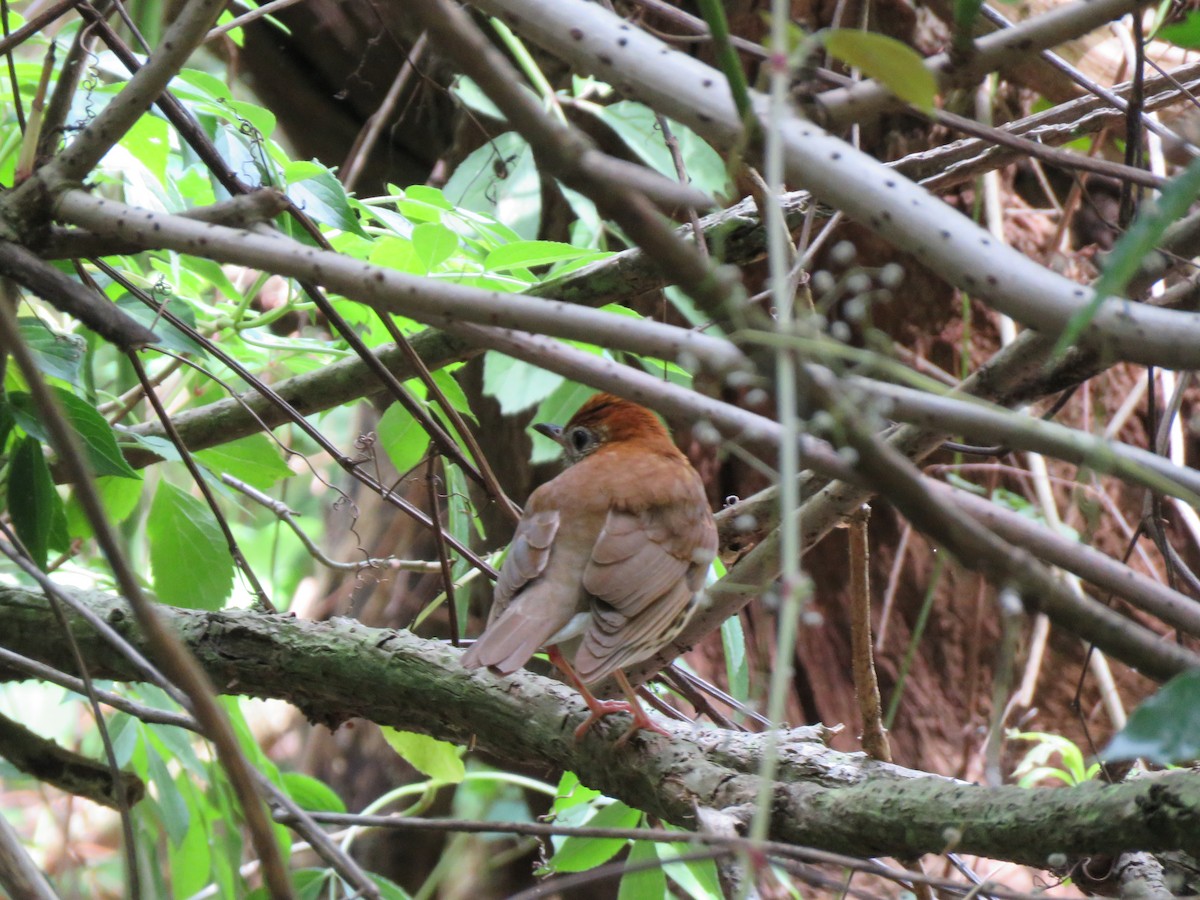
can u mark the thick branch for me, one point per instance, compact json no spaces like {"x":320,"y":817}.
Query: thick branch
{"x":90,"y":307}
{"x":340,"y":669}
{"x":677,"y":85}
{"x":387,"y":291}
{"x":867,"y":99}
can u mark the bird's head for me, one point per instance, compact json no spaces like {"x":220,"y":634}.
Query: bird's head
{"x":603,"y":420}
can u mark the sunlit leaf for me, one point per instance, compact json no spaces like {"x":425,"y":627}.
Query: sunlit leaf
{"x":402,"y":437}
{"x":319,"y":194}
{"x":532,"y":253}
{"x":188,"y":553}
{"x":255,"y":460}
{"x":437,"y":759}
{"x":894,"y":64}
{"x":433,"y":244}
{"x":516,"y":385}
{"x":580,"y":853}
{"x":502,"y":178}
{"x":737,"y":671}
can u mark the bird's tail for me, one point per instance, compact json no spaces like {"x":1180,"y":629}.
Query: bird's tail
{"x":510,"y":641}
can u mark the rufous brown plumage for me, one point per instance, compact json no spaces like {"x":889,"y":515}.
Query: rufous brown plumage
{"x":608,"y":558}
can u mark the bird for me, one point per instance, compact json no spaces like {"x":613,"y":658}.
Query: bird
{"x":608,"y":558}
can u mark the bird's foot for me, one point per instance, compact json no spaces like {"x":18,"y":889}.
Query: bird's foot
{"x":600,"y":709}
{"x":641,"y":722}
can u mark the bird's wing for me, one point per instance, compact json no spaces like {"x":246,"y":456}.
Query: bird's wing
{"x":509,"y":640}
{"x":645,"y":570}
{"x":527,"y":557}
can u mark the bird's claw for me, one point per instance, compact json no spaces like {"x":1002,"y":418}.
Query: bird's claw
{"x":641,"y":721}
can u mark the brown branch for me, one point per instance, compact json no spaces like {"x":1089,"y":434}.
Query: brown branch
{"x":66,"y":770}
{"x":338,"y":669}
{"x":63,"y":293}
{"x":866,"y":684}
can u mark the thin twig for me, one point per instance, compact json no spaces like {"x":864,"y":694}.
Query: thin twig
{"x":287,"y":516}
{"x":435,"y":514}
{"x":866,"y":683}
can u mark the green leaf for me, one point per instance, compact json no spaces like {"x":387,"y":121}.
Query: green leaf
{"x":262,"y":119}
{"x":1133,"y":246}
{"x":578,"y":854}
{"x":523,"y":254}
{"x":58,"y":355}
{"x":1183,"y":34}
{"x":176,"y":816}
{"x":571,"y":793}
{"x":516,"y":385}
{"x":396,"y":253}
{"x":32,"y":499}
{"x":7,"y":423}
{"x":649,"y":884}
{"x":188,"y":553}
{"x":423,"y":193}
{"x":159,"y":446}
{"x":501,"y":178}
{"x":322,"y":197}
{"x":312,"y":794}
{"x":169,"y":336}
{"x":469,"y":94}
{"x":433,"y":244}
{"x":1164,"y":729}
{"x":896,"y":65}
{"x":453,"y":392}
{"x":437,"y":759}
{"x":733,"y":640}
{"x":637,"y":126}
{"x":402,"y":437}
{"x":202,"y":85}
{"x":254,"y":460}
{"x":96,"y":435}
{"x":190,"y":860}
{"x":388,"y":890}
{"x":698,"y":877}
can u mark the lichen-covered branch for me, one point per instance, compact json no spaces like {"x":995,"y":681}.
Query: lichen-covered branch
{"x":341,"y":669}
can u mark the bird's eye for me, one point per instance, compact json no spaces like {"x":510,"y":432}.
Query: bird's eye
{"x":579,"y":438}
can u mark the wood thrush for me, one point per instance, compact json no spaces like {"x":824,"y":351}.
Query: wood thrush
{"x":608,"y":558}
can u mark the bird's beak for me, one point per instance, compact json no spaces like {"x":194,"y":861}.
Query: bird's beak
{"x":554,"y":432}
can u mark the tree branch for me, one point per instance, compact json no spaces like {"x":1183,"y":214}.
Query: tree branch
{"x":841,"y":802}
{"x":684,"y":88}
{"x":388,"y":291}
{"x":91,"y":308}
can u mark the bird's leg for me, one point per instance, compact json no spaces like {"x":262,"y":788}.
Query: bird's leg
{"x":641,"y":721}
{"x":599,"y":708}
